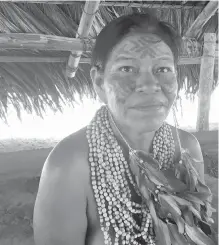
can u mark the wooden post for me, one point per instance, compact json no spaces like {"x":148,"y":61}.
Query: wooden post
{"x":85,"y":25}
{"x":206,"y":81}
{"x":43,"y":42}
{"x":202,"y":19}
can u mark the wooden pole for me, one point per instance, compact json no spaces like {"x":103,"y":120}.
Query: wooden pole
{"x":43,"y":42}
{"x":206,"y":81}
{"x":64,"y":59}
{"x":51,"y":42}
{"x":85,"y":25}
{"x":152,"y":4}
{"x":203,"y":17}
{"x":148,"y":4}
{"x":32,"y":59}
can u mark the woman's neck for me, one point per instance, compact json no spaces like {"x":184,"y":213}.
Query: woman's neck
{"x":136,"y":140}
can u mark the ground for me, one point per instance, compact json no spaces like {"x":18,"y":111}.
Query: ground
{"x":19,"y":178}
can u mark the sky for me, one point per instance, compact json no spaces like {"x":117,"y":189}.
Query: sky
{"x":58,"y":126}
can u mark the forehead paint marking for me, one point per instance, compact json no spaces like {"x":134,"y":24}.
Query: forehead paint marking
{"x":149,"y":39}
{"x":148,"y":45}
{"x":124,"y":49}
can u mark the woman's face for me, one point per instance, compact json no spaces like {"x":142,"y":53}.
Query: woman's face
{"x":139,"y":82}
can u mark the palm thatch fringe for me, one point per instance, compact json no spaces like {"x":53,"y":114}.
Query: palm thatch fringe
{"x":34,"y":86}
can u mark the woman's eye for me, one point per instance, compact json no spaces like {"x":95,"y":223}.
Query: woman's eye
{"x":127,"y":69}
{"x":164,"y":69}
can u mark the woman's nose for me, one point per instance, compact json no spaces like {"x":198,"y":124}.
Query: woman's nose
{"x":147,"y":83}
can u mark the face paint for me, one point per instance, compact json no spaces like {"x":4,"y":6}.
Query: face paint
{"x":169,"y":84}
{"x":142,"y":54}
{"x":169,"y":88}
{"x":145,"y":45}
{"x":121,"y":86}
{"x":142,"y":45}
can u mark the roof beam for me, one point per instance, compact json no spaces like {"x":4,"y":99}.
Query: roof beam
{"x":38,"y":59}
{"x":41,"y":1}
{"x":59,"y":43}
{"x":32,"y":59}
{"x":203,"y":17}
{"x":86,"y":22}
{"x":49,"y":42}
{"x":152,"y":4}
{"x":43,"y":42}
{"x":63,"y":59}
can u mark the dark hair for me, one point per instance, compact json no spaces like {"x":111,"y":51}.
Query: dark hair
{"x":117,"y":29}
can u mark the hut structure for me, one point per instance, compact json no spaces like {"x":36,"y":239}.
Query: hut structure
{"x":45,"y":49}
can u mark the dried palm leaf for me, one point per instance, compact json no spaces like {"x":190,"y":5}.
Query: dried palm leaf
{"x":40,"y":86}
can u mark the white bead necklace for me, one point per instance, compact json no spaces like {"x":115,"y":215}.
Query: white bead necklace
{"x":110,"y":178}
{"x":163,"y":145}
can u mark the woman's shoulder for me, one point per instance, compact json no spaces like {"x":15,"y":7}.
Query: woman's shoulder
{"x":188,"y":142}
{"x":70,"y":156}
{"x":63,"y":186}
{"x":72,"y":148}
{"x":191,"y":145}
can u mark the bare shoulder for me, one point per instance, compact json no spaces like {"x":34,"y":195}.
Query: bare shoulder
{"x":190,"y":143}
{"x":69,"y":156}
{"x":71,"y":147}
{"x":61,"y":202}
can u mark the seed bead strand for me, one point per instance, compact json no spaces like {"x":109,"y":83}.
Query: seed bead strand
{"x":125,"y":215}
{"x":130,"y":177}
{"x":129,"y":221}
{"x":128,"y":173}
{"x":143,"y":225}
{"x":117,"y":214}
{"x":110,"y":174}
{"x":163,"y":146}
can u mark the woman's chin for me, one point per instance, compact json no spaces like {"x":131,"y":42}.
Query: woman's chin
{"x":148,"y":119}
{"x":147,"y":125}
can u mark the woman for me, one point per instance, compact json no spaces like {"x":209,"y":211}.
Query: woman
{"x":124,"y":179}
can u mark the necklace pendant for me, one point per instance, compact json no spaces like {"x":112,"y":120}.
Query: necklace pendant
{"x":131,"y":153}
{"x":141,"y":161}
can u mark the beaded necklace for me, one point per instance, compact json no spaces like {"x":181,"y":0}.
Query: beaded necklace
{"x":110,"y":178}
{"x":163,"y":145}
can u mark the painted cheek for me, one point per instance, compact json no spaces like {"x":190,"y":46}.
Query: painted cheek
{"x":169,"y":87}
{"x":121,"y":87}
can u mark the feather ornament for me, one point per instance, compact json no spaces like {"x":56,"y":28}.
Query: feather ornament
{"x":181,"y":202}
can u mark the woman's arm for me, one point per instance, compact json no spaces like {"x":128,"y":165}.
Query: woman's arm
{"x":60,"y":208}
{"x":189,"y":142}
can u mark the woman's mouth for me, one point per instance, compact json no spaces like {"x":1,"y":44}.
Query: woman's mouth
{"x":157,"y":108}
{"x":148,"y":107}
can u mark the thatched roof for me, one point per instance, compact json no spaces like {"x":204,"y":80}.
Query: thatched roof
{"x":35,"y":85}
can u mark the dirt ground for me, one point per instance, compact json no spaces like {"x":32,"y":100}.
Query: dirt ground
{"x":19,"y":178}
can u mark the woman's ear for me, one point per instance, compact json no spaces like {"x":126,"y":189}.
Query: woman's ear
{"x":97,"y":78}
